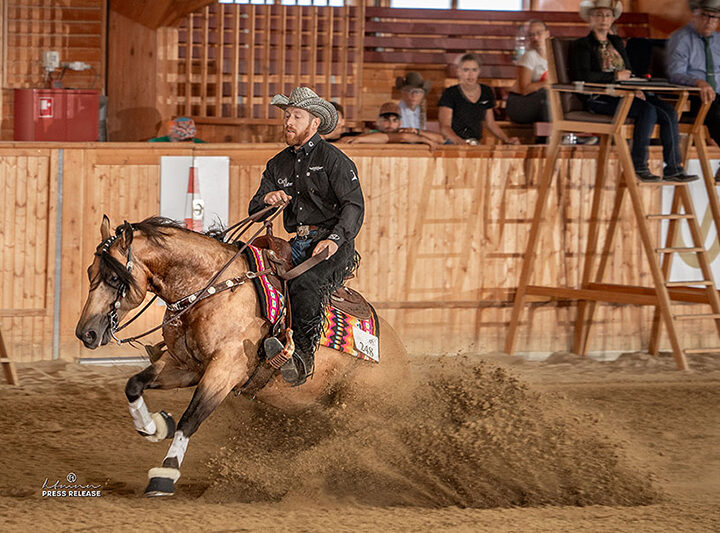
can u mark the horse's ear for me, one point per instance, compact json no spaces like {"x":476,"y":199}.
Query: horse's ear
{"x":105,"y":228}
{"x":126,"y":235}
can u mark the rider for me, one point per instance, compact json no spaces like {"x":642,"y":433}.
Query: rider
{"x":325,"y":211}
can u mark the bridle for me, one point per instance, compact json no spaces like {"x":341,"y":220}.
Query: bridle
{"x":230,"y":235}
{"x":113,"y":320}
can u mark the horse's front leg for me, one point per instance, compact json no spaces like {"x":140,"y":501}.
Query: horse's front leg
{"x":162,"y":374}
{"x":221,"y":375}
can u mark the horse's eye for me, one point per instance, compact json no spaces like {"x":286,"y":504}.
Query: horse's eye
{"x":114,"y":278}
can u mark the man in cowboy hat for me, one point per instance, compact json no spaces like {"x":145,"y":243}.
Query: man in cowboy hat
{"x":325,"y":211}
{"x":693,"y":58}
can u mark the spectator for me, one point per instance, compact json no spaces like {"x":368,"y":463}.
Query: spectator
{"x":414,"y":90}
{"x":464,"y":107}
{"x":693,"y":58}
{"x":527,"y":102}
{"x":389,"y":131}
{"x":339,"y":131}
{"x":600,"y":57}
{"x":182,"y":129}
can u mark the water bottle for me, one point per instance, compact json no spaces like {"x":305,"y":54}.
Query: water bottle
{"x":520,"y":40}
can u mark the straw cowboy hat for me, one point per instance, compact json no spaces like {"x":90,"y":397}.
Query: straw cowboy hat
{"x":413,"y":80}
{"x":705,"y":5}
{"x":587,"y":6}
{"x":305,"y":98}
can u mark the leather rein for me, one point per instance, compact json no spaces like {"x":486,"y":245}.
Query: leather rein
{"x":230,"y":235}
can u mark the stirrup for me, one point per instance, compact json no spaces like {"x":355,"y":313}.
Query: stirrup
{"x":295,"y":371}
{"x":272,"y":346}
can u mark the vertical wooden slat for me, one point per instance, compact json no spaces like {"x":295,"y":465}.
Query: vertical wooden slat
{"x":236,"y":63}
{"x":266,"y":62}
{"x":328,"y":48}
{"x":359,"y":55}
{"x":250,"y":86}
{"x":298,"y":44}
{"x":189,"y":63}
{"x":204,"y":46}
{"x":313,"y":52}
{"x":220,"y":56}
{"x":282,"y":51}
{"x":344,"y":51}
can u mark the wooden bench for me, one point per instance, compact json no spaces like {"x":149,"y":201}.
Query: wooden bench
{"x":429,"y":41}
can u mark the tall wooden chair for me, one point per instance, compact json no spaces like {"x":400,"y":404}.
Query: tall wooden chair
{"x":568,"y":116}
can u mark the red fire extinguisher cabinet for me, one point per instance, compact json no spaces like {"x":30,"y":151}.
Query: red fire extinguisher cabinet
{"x":56,"y":115}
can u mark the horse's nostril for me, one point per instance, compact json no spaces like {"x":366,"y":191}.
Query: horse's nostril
{"x":90,"y":335}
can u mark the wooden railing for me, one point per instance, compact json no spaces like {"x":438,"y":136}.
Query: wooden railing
{"x":441,"y":244}
{"x":231,"y":59}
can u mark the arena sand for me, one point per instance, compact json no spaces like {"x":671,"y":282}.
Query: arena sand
{"x":470,"y":444}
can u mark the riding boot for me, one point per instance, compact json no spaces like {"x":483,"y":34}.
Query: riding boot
{"x":302,"y":363}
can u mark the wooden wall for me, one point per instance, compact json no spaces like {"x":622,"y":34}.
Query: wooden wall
{"x":442,"y":241}
{"x":75,"y":28}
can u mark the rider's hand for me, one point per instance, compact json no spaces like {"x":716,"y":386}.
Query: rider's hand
{"x":276,"y":198}
{"x":330,"y":245}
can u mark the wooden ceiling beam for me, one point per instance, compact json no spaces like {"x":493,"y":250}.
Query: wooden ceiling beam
{"x":157,"y":13}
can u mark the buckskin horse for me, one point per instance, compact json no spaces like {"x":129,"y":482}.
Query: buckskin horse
{"x":214,"y":345}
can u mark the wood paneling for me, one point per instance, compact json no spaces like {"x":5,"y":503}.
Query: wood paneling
{"x":27,"y":251}
{"x":231,"y":59}
{"x":442,"y":241}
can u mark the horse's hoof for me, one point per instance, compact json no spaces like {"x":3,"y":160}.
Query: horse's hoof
{"x":165,"y":425}
{"x":161,"y":481}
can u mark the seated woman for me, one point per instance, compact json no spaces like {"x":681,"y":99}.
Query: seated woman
{"x":413,"y":89}
{"x":527,"y":102}
{"x":600,"y":57}
{"x":463,"y":108}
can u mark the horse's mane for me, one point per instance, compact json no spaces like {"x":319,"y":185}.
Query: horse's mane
{"x":155,"y":228}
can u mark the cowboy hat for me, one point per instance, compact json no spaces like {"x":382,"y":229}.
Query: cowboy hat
{"x":305,"y":98}
{"x":413,"y":80}
{"x":705,"y":5}
{"x":587,"y":6}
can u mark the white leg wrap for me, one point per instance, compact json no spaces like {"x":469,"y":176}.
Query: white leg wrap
{"x":141,"y":417}
{"x":178,"y":447}
{"x":160,"y":471}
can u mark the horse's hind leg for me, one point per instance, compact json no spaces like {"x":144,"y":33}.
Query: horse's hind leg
{"x":218,"y":380}
{"x":162,"y":374}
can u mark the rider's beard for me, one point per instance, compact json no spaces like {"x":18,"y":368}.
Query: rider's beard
{"x":296,"y":138}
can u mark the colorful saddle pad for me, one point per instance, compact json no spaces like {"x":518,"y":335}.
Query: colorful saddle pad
{"x":352,"y":335}
{"x":272,"y":302}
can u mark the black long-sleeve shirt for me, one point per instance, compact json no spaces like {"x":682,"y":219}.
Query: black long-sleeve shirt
{"x":324,"y":187}
{"x":585,"y":60}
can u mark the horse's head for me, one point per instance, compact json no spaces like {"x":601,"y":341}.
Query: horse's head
{"x":117,"y":285}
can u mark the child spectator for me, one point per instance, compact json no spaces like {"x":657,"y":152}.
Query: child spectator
{"x":412,"y":109}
